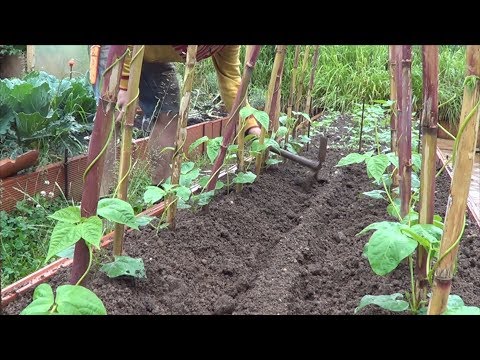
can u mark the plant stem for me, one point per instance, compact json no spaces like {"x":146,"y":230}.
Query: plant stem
{"x":412,"y":285}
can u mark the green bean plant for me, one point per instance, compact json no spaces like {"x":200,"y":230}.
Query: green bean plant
{"x":70,"y":228}
{"x":394,"y":241}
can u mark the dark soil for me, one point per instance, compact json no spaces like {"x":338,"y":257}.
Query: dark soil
{"x":279,"y":247}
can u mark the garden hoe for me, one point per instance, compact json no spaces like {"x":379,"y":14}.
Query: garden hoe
{"x":315,"y":166}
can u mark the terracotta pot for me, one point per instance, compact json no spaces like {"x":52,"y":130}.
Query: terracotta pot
{"x":9,"y":167}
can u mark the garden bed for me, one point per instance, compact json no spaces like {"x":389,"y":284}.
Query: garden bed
{"x":282,"y":246}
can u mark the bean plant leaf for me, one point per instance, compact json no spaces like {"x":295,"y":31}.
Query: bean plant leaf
{"x":78,"y":300}
{"x":91,"y":230}
{"x":43,"y":300}
{"x":198,"y":142}
{"x":213,"y":148}
{"x":262,"y":118}
{"x":376,"y":166}
{"x":375,"y":194}
{"x":353,"y":158}
{"x":153,"y":194}
{"x":125,"y":265}
{"x":246,"y":112}
{"x":183,"y":192}
{"x":388,"y":246}
{"x":63,"y":236}
{"x":118,"y":211}
{"x":186,"y":167}
{"x":69,"y":215}
{"x":245,"y":178}
{"x":144,"y":220}
{"x":392,"y":302}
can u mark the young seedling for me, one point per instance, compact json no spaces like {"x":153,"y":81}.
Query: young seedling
{"x":70,"y":229}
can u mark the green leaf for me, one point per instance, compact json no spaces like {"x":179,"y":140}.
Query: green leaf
{"x":376,"y":165}
{"x":183,"y":192}
{"x":187,"y":179}
{"x":186,"y":167}
{"x":454,"y":301}
{"x":78,"y":300}
{"x":232,"y":148}
{"x":464,"y":310}
{"x":144,"y":220}
{"x":386,"y":225}
{"x":246,"y":112}
{"x":245,"y":178}
{"x":393,"y":159}
{"x":389,"y":302}
{"x":353,"y":158}
{"x":205,"y":197}
{"x":282,"y":131}
{"x":415,"y":181}
{"x":43,"y":300}
{"x":273,"y":161}
{"x":125,"y":265}
{"x":91,"y":230}
{"x":387,"y":248}
{"x":118,"y":211}
{"x":198,"y":142}
{"x":305,"y":115}
{"x":262,"y":118}
{"x":375,"y":194}
{"x":182,"y":205}
{"x":63,"y":235}
{"x":67,"y":253}
{"x":153,"y":194}
{"x":256,"y":147}
{"x":213,"y":148}
{"x":391,"y":208}
{"x":429,"y":232}
{"x":69,"y":215}
{"x":272,"y":143}
{"x":417,"y":162}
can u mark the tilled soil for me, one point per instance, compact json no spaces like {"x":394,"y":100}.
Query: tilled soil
{"x":284,"y":245}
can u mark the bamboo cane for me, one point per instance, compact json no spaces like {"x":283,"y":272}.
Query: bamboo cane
{"x":462,"y":174}
{"x":394,"y":60}
{"x":240,"y":100}
{"x":294,"y":81}
{"x":272,"y":99}
{"x":95,"y":159}
{"x":308,"y":105}
{"x":190,"y":61}
{"x":126,"y":149}
{"x":429,"y":159}
{"x":241,"y":134}
{"x":301,"y":78}
{"x":404,"y":95}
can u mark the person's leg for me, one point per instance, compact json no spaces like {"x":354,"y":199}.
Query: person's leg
{"x":159,"y":99}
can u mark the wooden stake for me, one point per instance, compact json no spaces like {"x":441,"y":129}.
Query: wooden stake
{"x":462,"y":175}
{"x":101,"y":128}
{"x":429,"y":159}
{"x":272,"y":99}
{"x":240,"y":100}
{"x":126,"y":147}
{"x":190,"y":62}
{"x":404,"y":94}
